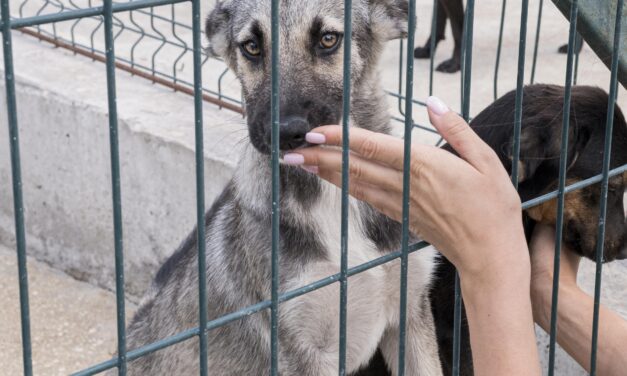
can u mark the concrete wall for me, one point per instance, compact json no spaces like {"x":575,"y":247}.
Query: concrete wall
{"x":63,"y":125}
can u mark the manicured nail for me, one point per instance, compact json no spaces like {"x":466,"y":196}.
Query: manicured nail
{"x":293,"y":159}
{"x":436,"y":105}
{"x":315,"y":138}
{"x":311,"y":169}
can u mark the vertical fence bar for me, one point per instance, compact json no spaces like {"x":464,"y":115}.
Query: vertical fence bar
{"x":432,"y":44}
{"x":466,"y":86}
{"x":611,"y":103}
{"x":559,"y":226}
{"x":409,"y":94}
{"x":16,"y":177}
{"x":346,"y":98}
{"x":467,"y":58}
{"x":400,"y":77}
{"x":537,"y":42}
{"x":274,"y":103}
{"x":498,"y":51}
{"x":200,"y":187}
{"x":577,"y":53}
{"x":457,"y":325}
{"x":522,"y":44}
{"x":115,"y":185}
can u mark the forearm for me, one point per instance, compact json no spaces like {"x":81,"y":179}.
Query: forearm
{"x":574,"y":327}
{"x":501,"y":324}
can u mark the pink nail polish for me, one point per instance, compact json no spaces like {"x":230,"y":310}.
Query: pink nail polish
{"x":311,"y":169}
{"x":293,"y":159}
{"x":315,"y":138}
{"x":436,"y":105}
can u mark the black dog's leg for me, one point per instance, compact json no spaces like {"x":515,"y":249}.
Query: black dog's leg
{"x":578,"y":45}
{"x":442,"y":299}
{"x":455,"y":11}
{"x":424,"y":52}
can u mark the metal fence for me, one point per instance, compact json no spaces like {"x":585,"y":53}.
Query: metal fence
{"x":117,"y":19}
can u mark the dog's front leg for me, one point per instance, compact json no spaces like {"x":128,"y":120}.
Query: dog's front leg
{"x":307,"y":362}
{"x":421,"y":350}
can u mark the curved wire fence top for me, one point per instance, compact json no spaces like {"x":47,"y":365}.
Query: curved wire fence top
{"x":161,"y":40}
{"x":154,"y":42}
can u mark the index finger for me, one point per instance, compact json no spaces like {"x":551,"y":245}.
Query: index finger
{"x":458,"y":133}
{"x":374,"y":146}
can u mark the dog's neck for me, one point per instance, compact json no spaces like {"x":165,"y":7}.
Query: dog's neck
{"x":298,"y":188}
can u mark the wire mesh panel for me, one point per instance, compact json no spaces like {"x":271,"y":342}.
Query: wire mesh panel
{"x":118,"y":20}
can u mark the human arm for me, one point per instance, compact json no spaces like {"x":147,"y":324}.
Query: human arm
{"x":575,"y":308}
{"x":467,"y":208}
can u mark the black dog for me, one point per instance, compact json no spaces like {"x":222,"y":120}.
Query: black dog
{"x":453,"y":9}
{"x":538,"y":172}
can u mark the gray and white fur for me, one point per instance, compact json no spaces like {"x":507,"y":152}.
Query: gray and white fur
{"x":238,"y":226}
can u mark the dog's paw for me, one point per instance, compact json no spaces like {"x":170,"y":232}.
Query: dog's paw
{"x":422,"y":52}
{"x":563,"y":49}
{"x":449,"y":66}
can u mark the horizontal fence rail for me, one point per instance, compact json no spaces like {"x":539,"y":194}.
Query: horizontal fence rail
{"x":106,"y":17}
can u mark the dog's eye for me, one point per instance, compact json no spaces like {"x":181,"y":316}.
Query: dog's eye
{"x":329,"y":41}
{"x":251,"y":49}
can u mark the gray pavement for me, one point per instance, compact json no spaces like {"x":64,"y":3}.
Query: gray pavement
{"x":73,"y":323}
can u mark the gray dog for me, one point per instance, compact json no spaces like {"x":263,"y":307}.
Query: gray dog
{"x":238,"y":226}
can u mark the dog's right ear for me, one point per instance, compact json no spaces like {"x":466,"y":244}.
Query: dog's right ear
{"x":216,"y":30}
{"x":389,"y":18}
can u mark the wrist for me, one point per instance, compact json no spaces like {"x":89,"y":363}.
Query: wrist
{"x":542,"y":297}
{"x":508,"y":266}
{"x":500,"y":282}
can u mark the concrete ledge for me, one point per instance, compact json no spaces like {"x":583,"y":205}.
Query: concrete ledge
{"x":63,"y":123}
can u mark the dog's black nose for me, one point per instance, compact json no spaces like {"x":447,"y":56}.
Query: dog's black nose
{"x":292,"y":132}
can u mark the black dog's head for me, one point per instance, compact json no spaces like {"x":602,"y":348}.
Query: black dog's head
{"x":540,"y":145}
{"x":310,"y":58}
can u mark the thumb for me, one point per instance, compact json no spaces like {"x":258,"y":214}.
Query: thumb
{"x":456,"y":131}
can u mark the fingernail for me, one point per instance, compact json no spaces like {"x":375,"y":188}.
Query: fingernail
{"x":293,"y":159}
{"x":311,"y":169}
{"x":436,"y":105}
{"x":315,"y":138}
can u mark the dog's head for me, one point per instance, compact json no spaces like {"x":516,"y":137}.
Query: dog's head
{"x":311,"y":58}
{"x":540,"y":145}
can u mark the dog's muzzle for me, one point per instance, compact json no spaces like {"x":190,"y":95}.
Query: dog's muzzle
{"x":292,"y":131}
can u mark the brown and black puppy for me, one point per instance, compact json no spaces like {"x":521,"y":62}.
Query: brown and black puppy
{"x":540,"y":145}
{"x":538,"y":173}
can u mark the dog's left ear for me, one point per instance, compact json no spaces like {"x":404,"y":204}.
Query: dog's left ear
{"x":389,"y":18}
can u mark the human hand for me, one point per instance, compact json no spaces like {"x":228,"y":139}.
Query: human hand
{"x":465,"y":206}
{"x":542,"y":247}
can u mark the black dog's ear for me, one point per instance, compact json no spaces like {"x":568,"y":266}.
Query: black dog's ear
{"x":389,"y":18}
{"x":534,"y":150}
{"x":541,"y":146}
{"x":216,"y":29}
